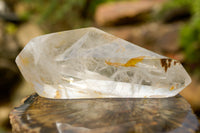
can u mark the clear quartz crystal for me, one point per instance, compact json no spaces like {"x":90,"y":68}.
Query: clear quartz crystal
{"x":89,"y":63}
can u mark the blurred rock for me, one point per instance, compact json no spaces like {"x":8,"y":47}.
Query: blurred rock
{"x":24,"y":89}
{"x":4,"y":112}
{"x":176,"y":14}
{"x":9,"y":74}
{"x":6,"y":14}
{"x":176,"y":55}
{"x":192,"y":94}
{"x":162,"y":38}
{"x":9,"y":77}
{"x":125,"y":11}
{"x":21,"y":8}
{"x":26,"y":32}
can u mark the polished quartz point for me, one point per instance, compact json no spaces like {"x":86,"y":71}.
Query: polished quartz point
{"x":89,"y":63}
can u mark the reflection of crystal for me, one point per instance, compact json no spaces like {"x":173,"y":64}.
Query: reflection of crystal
{"x":89,"y":63}
{"x":105,"y":115}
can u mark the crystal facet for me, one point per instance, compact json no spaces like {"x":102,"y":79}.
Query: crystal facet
{"x":89,"y":63}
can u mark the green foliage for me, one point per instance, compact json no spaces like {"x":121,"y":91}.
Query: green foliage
{"x":190,"y":33}
{"x":11,"y":28}
{"x":95,"y":3}
{"x":190,"y":38}
{"x":180,"y":3}
{"x":51,"y":11}
{"x":190,"y":41}
{"x":174,"y":4}
{"x":66,"y":13}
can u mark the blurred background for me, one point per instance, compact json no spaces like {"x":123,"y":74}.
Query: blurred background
{"x":167,"y":27}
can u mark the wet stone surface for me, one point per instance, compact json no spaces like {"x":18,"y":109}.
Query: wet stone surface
{"x":113,"y":115}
